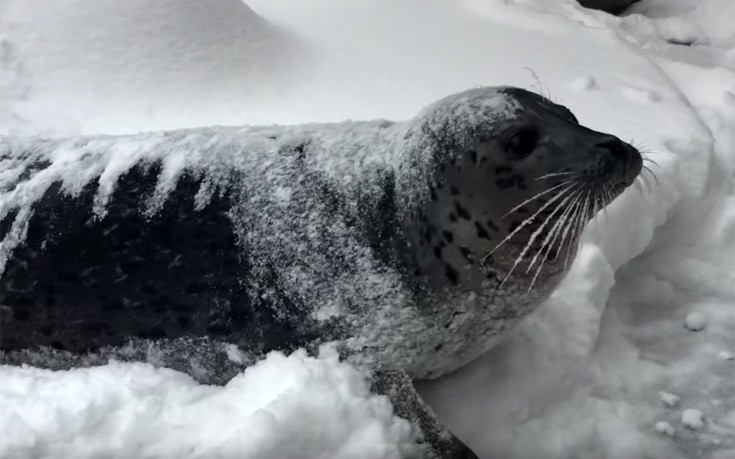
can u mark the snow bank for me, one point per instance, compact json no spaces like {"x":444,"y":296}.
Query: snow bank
{"x":293,"y":407}
{"x":105,"y":65}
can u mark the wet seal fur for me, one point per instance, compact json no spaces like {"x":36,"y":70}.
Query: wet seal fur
{"x":410,"y":245}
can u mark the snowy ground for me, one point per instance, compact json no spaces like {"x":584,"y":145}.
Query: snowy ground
{"x":631,"y":358}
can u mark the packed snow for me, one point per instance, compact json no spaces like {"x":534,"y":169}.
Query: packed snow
{"x":609,"y":367}
{"x":135,"y":410}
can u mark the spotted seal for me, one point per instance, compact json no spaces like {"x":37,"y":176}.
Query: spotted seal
{"x":411,"y":245}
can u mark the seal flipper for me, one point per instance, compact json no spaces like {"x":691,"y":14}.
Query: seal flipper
{"x":437,"y":441}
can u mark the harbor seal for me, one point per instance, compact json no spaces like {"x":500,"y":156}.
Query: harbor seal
{"x":410,"y":246}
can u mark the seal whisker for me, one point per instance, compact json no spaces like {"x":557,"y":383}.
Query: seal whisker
{"x":603,"y":199}
{"x":556,"y":230}
{"x":638,"y":186}
{"x":538,"y":195}
{"x":555,"y":174}
{"x":540,"y":87}
{"x":609,"y":198}
{"x":571,"y":222}
{"x":527,"y":221}
{"x":536,"y":234}
{"x":578,"y":225}
{"x":655,"y":178}
{"x":567,"y":207}
{"x":646,"y":159}
{"x":643,"y":150}
{"x":595,"y":200}
{"x":645,"y":184}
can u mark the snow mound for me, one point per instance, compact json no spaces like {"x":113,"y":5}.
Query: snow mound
{"x":286,"y":408}
{"x":140,"y":65}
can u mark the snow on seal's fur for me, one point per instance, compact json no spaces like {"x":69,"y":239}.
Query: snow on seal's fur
{"x":280,"y":216}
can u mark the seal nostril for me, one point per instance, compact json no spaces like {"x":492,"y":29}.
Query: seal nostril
{"x":625,"y":156}
{"x":617,"y":148}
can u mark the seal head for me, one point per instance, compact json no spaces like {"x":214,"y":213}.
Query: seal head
{"x":515,"y":179}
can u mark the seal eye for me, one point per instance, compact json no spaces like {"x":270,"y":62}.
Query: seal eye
{"x":522,"y":143}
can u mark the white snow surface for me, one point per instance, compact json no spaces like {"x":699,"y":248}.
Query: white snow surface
{"x":135,"y":410}
{"x":581,"y":377}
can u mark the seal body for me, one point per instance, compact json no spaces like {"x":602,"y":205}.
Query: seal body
{"x":409,"y":245}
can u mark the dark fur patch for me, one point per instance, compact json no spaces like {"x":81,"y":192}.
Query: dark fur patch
{"x":503,"y":170}
{"x":452,"y":275}
{"x":453,"y":189}
{"x":300,"y":150}
{"x":438,"y":252}
{"x":426,"y":234}
{"x":481,"y":232}
{"x":461,"y":211}
{"x":453,"y":217}
{"x":492,"y":226}
{"x":449,"y":236}
{"x":505,"y":184}
{"x":511,"y":182}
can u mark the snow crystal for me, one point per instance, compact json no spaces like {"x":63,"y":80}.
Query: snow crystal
{"x":669,"y":399}
{"x":665,"y":428}
{"x":235,"y":354}
{"x":584,"y":83}
{"x":692,"y":418}
{"x":695,"y":321}
{"x":640,"y":95}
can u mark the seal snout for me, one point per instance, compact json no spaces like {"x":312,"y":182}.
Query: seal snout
{"x":624,"y":159}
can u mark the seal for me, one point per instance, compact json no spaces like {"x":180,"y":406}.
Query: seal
{"x":411,"y":246}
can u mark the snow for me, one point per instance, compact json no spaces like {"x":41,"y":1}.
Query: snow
{"x":669,"y":399}
{"x":665,"y":428}
{"x":692,"y":419}
{"x":582,"y":377}
{"x":695,"y":322}
{"x":135,"y":410}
